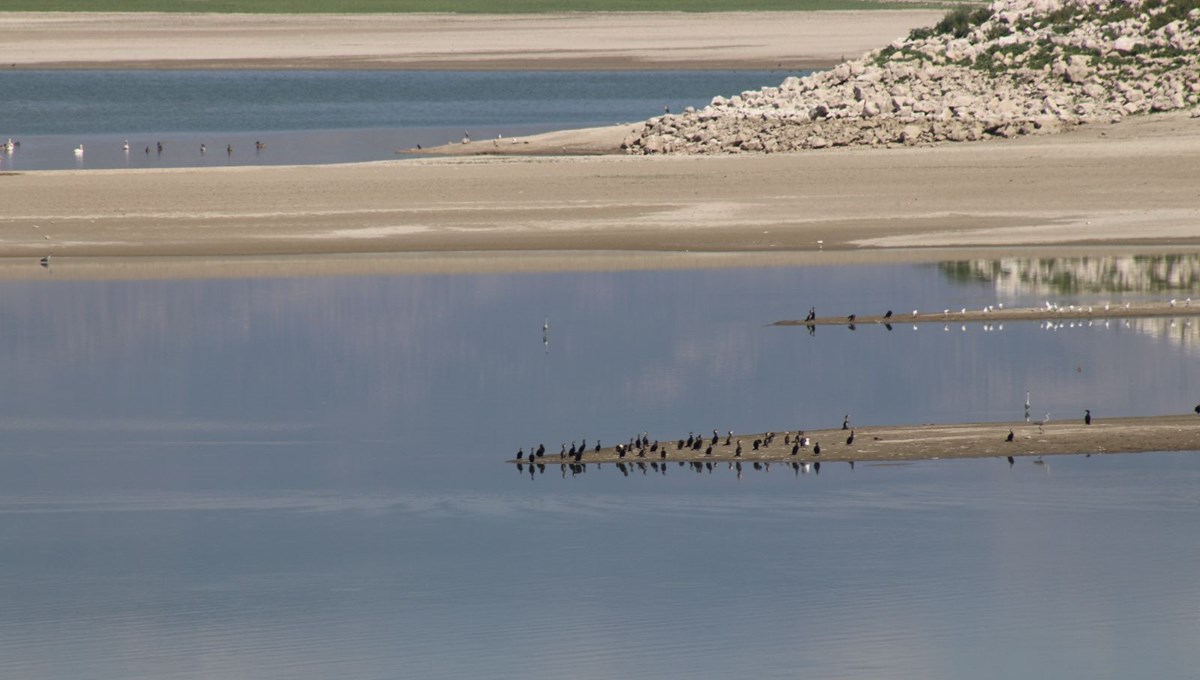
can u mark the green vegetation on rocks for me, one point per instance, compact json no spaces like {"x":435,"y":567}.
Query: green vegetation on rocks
{"x":1015,"y":67}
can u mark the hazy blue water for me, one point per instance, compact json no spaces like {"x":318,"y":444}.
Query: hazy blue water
{"x":301,"y":478}
{"x":320,"y":116}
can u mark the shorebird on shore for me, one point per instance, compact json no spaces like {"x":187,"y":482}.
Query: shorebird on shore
{"x":850,"y":439}
{"x":1010,"y":436}
{"x":1087,"y":416}
{"x":817,"y":449}
{"x":888,"y":315}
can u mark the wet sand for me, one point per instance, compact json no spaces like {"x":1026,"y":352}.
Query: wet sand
{"x":896,"y":443}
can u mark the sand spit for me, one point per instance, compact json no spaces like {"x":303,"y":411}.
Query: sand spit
{"x":931,"y":442}
{"x":1050,"y":312}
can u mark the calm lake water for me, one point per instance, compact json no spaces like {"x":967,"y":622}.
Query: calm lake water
{"x":309,"y":117}
{"x":302,"y":478}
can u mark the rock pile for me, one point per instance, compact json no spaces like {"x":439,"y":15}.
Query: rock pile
{"x":1015,"y":67}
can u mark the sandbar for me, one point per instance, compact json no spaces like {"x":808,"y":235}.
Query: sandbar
{"x":897,"y":443}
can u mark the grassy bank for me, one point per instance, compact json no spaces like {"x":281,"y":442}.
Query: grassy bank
{"x":448,"y":6}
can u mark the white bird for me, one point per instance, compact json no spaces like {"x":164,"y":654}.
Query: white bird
{"x":1172,"y":302}
{"x":79,"y":150}
{"x":914,"y":312}
{"x":546,"y":325}
{"x":1026,"y":400}
{"x":125,"y":146}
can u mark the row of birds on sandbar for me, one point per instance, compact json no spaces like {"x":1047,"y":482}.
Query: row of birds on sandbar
{"x":641,"y":447}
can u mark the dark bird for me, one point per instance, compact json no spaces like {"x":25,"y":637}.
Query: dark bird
{"x":715,"y":438}
{"x":1087,"y":416}
{"x":888,"y":315}
{"x":541,"y":450}
{"x":851,"y":318}
{"x":817,"y":449}
{"x":597,"y":445}
{"x":708,"y":451}
{"x":520,"y":453}
{"x":812,"y":314}
{"x":757,"y":443}
{"x":738,"y":453}
{"x":1010,"y":436}
{"x":796,"y":448}
{"x":850,"y":439}
{"x":1197,"y":408}
{"x":846,"y":422}
{"x":46,"y":263}
{"x":729,"y":437}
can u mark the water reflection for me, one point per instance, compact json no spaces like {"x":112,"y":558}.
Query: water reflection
{"x":1098,"y":281}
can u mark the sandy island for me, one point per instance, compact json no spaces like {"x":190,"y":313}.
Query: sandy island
{"x":929,"y":442}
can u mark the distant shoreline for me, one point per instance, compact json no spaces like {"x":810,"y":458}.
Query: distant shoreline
{"x":593,"y":41}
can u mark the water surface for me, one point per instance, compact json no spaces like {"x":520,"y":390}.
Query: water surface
{"x":308,"y":117}
{"x":301,"y":478}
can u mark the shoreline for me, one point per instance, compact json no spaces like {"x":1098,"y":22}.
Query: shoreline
{"x":903,"y":443}
{"x":591,"y":41}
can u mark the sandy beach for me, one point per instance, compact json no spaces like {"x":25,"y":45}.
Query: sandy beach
{"x":1095,"y":189}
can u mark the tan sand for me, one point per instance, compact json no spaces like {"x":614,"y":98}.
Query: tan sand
{"x":930,"y":442}
{"x":787,"y":40}
{"x":1099,"y":189}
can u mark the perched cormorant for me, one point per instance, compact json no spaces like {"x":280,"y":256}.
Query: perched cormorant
{"x":738,"y":453}
{"x":850,"y":439}
{"x":817,"y":449}
{"x":846,"y":422}
{"x":851,"y":318}
{"x":1087,"y":416}
{"x":1010,"y":436}
{"x":796,"y":447}
{"x":888,"y":315}
{"x":812,"y":314}
{"x":521,"y":453}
